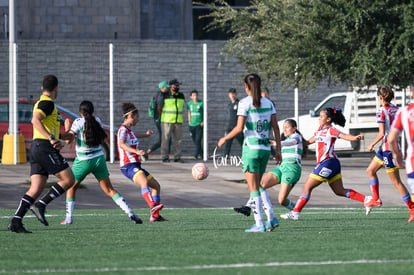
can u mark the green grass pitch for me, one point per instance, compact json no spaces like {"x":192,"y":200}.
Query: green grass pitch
{"x":211,"y":241}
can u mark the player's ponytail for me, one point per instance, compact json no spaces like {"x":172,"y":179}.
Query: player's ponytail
{"x":386,"y":93}
{"x":253,"y":83}
{"x":336,"y":116}
{"x":93,"y":133}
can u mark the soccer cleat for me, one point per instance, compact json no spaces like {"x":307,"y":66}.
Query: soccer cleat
{"x":135,"y":219}
{"x":291,"y":216}
{"x":245,"y":210}
{"x":39,"y":211}
{"x":369,"y":202}
{"x":270,"y":225}
{"x":156,"y":208}
{"x":411,"y":218}
{"x":158,"y":219}
{"x":16,"y":225}
{"x":67,"y":221}
{"x":256,"y":229}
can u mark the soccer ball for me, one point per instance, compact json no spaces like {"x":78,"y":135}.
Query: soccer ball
{"x":200,"y":171}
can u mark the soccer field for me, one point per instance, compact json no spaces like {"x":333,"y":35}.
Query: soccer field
{"x":211,"y":241}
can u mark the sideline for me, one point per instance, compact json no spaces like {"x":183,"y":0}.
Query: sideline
{"x":206,"y":267}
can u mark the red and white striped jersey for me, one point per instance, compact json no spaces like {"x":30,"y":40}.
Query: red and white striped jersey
{"x":129,"y":138}
{"x":386,"y":114}
{"x":404,"y":121}
{"x":324,"y":142}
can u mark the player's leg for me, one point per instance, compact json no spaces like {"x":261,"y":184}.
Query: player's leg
{"x":119,"y":200}
{"x":70,"y":202}
{"x":36,"y":187}
{"x":156,"y":195}
{"x":290,"y":175}
{"x":376,"y":164}
{"x":312,"y":182}
{"x":80,"y":169}
{"x":256,"y":206}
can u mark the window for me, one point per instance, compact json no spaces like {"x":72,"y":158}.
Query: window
{"x":338,"y":101}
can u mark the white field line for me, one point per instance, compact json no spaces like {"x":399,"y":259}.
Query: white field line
{"x":307,"y":211}
{"x":208,"y":267}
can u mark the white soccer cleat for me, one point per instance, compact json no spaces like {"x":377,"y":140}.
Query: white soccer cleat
{"x":291,"y":216}
{"x":369,"y":202}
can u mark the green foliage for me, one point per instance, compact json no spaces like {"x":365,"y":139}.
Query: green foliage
{"x":348,"y":41}
{"x":210,"y":241}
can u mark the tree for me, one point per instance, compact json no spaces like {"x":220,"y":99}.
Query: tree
{"x":354,"y":42}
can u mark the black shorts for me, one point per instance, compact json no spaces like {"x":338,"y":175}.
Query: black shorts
{"x":44,"y":159}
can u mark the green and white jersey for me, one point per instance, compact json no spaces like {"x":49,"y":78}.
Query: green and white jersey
{"x":292,"y":148}
{"x":83,"y":151}
{"x":257,"y":126}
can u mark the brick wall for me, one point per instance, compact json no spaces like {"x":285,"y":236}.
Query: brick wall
{"x":83,"y":72}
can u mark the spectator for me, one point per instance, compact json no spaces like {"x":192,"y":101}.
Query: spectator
{"x":171,"y":110}
{"x":195,"y":122}
{"x":232,"y":106}
{"x":158,"y":97}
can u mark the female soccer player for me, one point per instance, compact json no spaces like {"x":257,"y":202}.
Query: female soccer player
{"x":404,"y":121}
{"x":89,"y":136}
{"x":383,"y":158}
{"x":288,"y":173}
{"x":328,"y":168}
{"x":256,"y":115}
{"x":131,"y":165}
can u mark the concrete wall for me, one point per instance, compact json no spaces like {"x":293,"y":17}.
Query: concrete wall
{"x":101,"y":19}
{"x":83,"y":71}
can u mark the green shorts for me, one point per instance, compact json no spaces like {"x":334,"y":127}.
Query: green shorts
{"x":255,"y":161}
{"x":288,"y":173}
{"x":96,"y":166}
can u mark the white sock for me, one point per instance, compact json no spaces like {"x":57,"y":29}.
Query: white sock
{"x":120,"y":201}
{"x":257,"y":210}
{"x":249,"y":203}
{"x":267,"y":204}
{"x":70,"y":206}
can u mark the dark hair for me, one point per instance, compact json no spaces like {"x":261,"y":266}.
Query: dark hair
{"x":253,"y":83}
{"x":386,"y":93}
{"x":232,"y":91}
{"x":50,"y":82}
{"x":93,"y":133}
{"x":293,"y":123}
{"x":127,"y":108}
{"x":193,"y":92}
{"x":336,"y":116}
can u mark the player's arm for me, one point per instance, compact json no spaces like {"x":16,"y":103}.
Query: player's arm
{"x":130,"y":149}
{"x":393,"y":143}
{"x":241,"y":120}
{"x":276,"y":133}
{"x":144,"y":135}
{"x":350,"y":137}
{"x":68,"y":135}
{"x":37,"y":123}
{"x":378,"y":138}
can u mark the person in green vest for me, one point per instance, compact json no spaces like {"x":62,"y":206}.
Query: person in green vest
{"x":172,"y":121}
{"x":195,"y":122}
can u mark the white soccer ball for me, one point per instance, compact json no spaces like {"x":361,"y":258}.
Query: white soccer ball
{"x":200,"y":171}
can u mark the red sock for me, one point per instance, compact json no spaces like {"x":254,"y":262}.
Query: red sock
{"x":374,"y":184}
{"x":353,"y":195}
{"x":148,"y":198}
{"x":303,"y":200}
{"x":410,"y":204}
